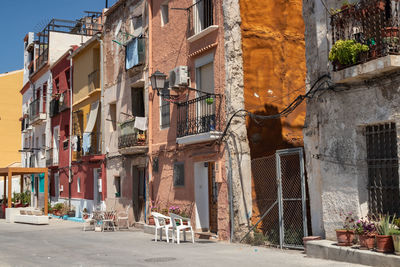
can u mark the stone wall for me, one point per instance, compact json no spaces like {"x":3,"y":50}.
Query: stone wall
{"x":238,"y":158}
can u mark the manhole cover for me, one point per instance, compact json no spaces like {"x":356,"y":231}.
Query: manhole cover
{"x":160,"y":259}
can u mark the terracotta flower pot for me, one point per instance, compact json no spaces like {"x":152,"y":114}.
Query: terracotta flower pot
{"x":151,"y":220}
{"x":345,"y":237}
{"x":384,"y":244}
{"x":381,"y":5}
{"x":367,"y":241}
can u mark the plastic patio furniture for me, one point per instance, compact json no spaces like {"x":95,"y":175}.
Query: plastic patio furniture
{"x":108,"y":219}
{"x":178,"y":226}
{"x":160,"y":221}
{"x":89,"y":222}
{"x":123,"y":216}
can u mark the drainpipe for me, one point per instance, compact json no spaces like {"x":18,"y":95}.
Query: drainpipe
{"x":70,"y":129}
{"x":230,"y":189}
{"x":149,"y":130}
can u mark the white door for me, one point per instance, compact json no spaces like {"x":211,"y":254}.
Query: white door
{"x":201,"y":195}
{"x":57,"y":185}
{"x":56,"y":144}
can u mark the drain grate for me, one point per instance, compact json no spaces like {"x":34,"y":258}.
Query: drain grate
{"x":160,"y":259}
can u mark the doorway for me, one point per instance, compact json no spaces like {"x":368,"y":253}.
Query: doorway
{"x":206,"y":196}
{"x":138,"y":192}
{"x":97,"y":186}
{"x":56,"y":186}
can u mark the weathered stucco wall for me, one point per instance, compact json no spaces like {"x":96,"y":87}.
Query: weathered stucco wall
{"x":335,"y":143}
{"x":274,"y":71}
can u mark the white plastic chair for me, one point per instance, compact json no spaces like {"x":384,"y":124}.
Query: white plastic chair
{"x":123,"y":216}
{"x":160,"y":221}
{"x":108,"y":218}
{"x":181,"y":227}
{"x":89,"y":222}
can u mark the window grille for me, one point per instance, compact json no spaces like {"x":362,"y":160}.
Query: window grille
{"x":383,"y":169}
{"x":179,"y":174}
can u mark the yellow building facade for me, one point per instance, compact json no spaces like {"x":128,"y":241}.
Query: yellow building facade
{"x":10,"y":112}
{"x":86,"y":97}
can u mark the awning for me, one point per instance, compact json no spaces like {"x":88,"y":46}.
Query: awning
{"x":94,"y":107}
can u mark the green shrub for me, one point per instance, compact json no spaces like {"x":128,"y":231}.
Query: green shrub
{"x":346,"y":52}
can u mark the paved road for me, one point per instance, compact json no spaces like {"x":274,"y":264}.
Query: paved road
{"x":65,"y":244}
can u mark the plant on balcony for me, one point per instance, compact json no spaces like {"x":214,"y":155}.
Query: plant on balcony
{"x":346,"y":52}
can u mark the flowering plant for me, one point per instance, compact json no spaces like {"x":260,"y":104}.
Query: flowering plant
{"x":154,"y":206}
{"x":349,"y":222}
{"x":365,"y":226}
{"x":174,"y":209}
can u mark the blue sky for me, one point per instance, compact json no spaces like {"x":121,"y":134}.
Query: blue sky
{"x":19,"y":17}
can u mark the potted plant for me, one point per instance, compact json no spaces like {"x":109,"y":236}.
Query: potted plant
{"x":395,"y":233}
{"x":366,"y":232}
{"x":384,"y":241}
{"x":85,"y":214}
{"x":209,"y":100}
{"x":346,"y":52}
{"x":345,"y":236}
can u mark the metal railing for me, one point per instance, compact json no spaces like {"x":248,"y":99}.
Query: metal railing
{"x":199,"y":115}
{"x":34,"y":109}
{"x":129,"y":136}
{"x":201,"y":15}
{"x":89,"y":144}
{"x":42,"y":59}
{"x":93,"y":80}
{"x":374,"y":23}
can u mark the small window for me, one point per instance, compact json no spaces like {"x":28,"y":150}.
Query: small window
{"x":43,"y":140}
{"x":78,"y":183}
{"x":179,"y":174}
{"x":117,"y":183}
{"x":57,"y":85}
{"x":68,"y":78}
{"x":164,"y":107}
{"x":164,"y":14}
{"x":113,"y":117}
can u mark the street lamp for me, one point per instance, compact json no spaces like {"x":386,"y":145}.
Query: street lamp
{"x":157,"y":80}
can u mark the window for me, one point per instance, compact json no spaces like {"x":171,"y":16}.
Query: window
{"x":57,"y":85}
{"x":78,"y":183}
{"x":137,"y":102}
{"x":43,"y":140}
{"x":117,"y":183}
{"x":113,"y":117}
{"x":164,"y":13}
{"x":383,"y":169}
{"x":68,"y":78}
{"x":203,"y":15}
{"x":164,"y":107}
{"x":205,"y":78}
{"x":179,"y":174}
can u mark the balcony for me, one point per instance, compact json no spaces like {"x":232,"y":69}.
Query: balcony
{"x":376,"y":26}
{"x":49,"y":157}
{"x":93,"y":81}
{"x":63,"y":101}
{"x":131,"y":140}
{"x":199,"y":120}
{"x":88,"y":145}
{"x":36,"y":114}
{"x":202,"y":17}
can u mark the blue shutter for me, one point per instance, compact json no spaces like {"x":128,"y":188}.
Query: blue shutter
{"x":132,"y":55}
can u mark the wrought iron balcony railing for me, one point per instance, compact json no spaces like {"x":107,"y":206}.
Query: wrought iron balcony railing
{"x":201,"y":15}
{"x":34,"y":109}
{"x":199,"y":115}
{"x":374,"y":23}
{"x":129,"y":136}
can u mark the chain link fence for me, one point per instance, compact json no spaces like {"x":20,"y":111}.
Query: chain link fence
{"x":279,"y":200}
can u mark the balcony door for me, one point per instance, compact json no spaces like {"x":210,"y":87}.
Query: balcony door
{"x":205,"y":117}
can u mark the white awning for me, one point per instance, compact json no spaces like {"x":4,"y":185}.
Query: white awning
{"x":94,"y":107}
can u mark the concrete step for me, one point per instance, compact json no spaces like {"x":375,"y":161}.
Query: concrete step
{"x":326,"y":249}
{"x":206,"y":235}
{"x":139,"y":225}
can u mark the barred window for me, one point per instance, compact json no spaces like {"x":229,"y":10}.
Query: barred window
{"x":383,"y":169}
{"x":164,"y":107}
{"x":179,"y":174}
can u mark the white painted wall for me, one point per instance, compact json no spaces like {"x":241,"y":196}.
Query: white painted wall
{"x":59,"y":43}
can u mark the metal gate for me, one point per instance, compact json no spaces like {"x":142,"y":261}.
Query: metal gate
{"x":279,"y":215}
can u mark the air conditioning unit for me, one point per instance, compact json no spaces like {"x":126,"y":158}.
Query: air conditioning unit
{"x":179,"y":77}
